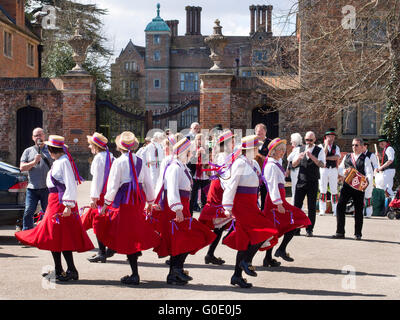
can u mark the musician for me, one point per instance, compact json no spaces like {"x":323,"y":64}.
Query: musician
{"x":309,"y":158}
{"x":368,"y":191}
{"x":261,"y":132}
{"x":358,"y":160}
{"x":386,"y":169}
{"x":329,"y":174}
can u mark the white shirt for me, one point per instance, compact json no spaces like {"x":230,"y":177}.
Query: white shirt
{"x":120,"y":174}
{"x":274,"y":177}
{"x":176,"y":179}
{"x":390,"y":153}
{"x":97,"y":171}
{"x":242,"y":175}
{"x":290,"y":157}
{"x":337,"y":152}
{"x":63,"y":173}
{"x":160,"y":179}
{"x":367,"y":167}
{"x":152,"y":149}
{"x":374,"y":160}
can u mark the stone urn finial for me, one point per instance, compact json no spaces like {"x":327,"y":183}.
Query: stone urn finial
{"x":79,"y":45}
{"x":217,"y":42}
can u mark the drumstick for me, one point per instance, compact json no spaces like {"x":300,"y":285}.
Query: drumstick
{"x":376,"y":149}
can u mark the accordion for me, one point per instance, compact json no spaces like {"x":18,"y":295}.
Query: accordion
{"x":356,"y":180}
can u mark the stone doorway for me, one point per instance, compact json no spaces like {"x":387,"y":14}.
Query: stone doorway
{"x":28,"y":118}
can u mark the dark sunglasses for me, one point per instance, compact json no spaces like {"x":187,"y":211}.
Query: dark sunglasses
{"x":309,"y":139}
{"x":355,"y":145}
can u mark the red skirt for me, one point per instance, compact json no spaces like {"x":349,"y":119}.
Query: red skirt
{"x":88,"y":217}
{"x":126,"y":229}
{"x":188,"y":236}
{"x":213,"y":208}
{"x":251,"y":226}
{"x":57,"y":233}
{"x":292,"y":219}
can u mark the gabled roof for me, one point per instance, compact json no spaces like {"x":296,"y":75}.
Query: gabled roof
{"x":130,"y":46}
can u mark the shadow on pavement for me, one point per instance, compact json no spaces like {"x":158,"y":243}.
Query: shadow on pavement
{"x":359,"y":241}
{"x":146,"y":285}
{"x":9,"y":241}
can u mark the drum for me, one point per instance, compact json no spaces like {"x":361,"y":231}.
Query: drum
{"x":356,"y":180}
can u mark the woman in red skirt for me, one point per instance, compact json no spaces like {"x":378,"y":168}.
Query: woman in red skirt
{"x":100,"y":169}
{"x":60,"y":230}
{"x":213,"y":214}
{"x":123,"y":225}
{"x":181,"y":234}
{"x":252,"y":231}
{"x":285,"y":217}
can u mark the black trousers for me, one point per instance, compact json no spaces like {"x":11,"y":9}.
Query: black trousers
{"x":346,"y":194}
{"x":263,"y":194}
{"x":198,"y":184}
{"x":310,"y":189}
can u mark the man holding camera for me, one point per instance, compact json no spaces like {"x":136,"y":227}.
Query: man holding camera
{"x":37,"y":162}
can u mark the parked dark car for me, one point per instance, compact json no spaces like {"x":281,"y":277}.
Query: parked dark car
{"x":13,"y":185}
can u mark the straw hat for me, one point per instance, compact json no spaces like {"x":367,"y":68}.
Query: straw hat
{"x":127,"y":141}
{"x":275,"y":143}
{"x":225,"y":136}
{"x":56,"y":142}
{"x":181,"y":146}
{"x":98,"y":139}
{"x":250,"y":142}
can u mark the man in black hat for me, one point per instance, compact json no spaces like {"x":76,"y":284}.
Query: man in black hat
{"x":386,"y":167}
{"x":368,"y":191}
{"x":329,"y":173}
{"x":357,"y":160}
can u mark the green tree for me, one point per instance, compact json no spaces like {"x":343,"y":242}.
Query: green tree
{"x":57,"y":53}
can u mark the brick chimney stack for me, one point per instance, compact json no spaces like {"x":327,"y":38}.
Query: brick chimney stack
{"x":16,"y":10}
{"x":260,"y":19}
{"x":173,"y":25}
{"x":193,"y":20}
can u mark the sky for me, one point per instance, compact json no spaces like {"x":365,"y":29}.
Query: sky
{"x":127,"y":19}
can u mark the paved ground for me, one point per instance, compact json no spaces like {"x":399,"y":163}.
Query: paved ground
{"x":323,"y":269}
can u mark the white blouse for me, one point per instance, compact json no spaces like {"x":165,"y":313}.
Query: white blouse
{"x":120,"y":174}
{"x":97,"y":171}
{"x":151,"y":153}
{"x":163,"y":165}
{"x":176,"y":179}
{"x":274,"y":177}
{"x":242,"y":175}
{"x":63,"y":173}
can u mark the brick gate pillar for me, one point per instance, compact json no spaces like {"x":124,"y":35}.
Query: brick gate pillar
{"x":215,"y":100}
{"x":79,"y":116}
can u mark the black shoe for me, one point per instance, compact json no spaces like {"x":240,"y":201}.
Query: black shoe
{"x":132,"y":279}
{"x":271,"y":263}
{"x":98,"y":258}
{"x":297,"y":232}
{"x":357,"y":237}
{"x":173,"y":279}
{"x":285,"y":256}
{"x":213,"y":260}
{"x":338,"y":236}
{"x":248,"y":268}
{"x":109,"y":253}
{"x":309,"y":234}
{"x":168,"y":262}
{"x":69,"y":275}
{"x":241,"y":282}
{"x":182,"y":274}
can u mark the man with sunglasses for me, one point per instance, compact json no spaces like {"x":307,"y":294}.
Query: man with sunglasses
{"x":309,"y":158}
{"x":358,"y":160}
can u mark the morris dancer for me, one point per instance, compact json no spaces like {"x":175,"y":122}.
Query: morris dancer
{"x":181,"y":234}
{"x":123,"y":225}
{"x":362,"y":164}
{"x":368,"y":191}
{"x":329,"y":173}
{"x":285,"y":217}
{"x":100,"y":169}
{"x":155,"y":155}
{"x":60,"y":230}
{"x":253,"y":230}
{"x":387,"y":168}
{"x":213,"y":214}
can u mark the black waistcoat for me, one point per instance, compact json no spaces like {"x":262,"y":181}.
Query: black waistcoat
{"x":309,"y":171}
{"x":360,"y":163}
{"x":331,"y":163}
